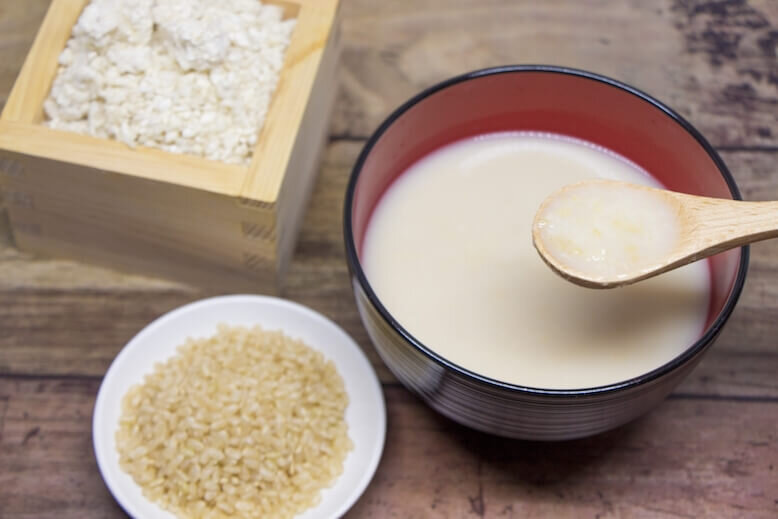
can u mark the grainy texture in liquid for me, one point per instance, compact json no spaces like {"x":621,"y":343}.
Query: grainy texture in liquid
{"x":608,"y":232}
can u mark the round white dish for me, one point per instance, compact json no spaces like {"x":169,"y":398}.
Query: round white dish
{"x":365,"y":415}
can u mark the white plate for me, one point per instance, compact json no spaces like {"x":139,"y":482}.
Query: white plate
{"x":365,"y":415}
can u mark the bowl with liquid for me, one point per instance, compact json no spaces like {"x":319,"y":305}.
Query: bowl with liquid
{"x":463,"y":311}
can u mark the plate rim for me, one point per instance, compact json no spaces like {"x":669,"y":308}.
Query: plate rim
{"x":98,"y":421}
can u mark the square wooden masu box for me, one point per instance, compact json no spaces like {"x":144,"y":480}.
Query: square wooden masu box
{"x":223,"y":227}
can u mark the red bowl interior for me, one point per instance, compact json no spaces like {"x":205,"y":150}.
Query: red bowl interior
{"x":560,"y":101}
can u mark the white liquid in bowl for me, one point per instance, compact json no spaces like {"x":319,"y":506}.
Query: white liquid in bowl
{"x":449,"y":253}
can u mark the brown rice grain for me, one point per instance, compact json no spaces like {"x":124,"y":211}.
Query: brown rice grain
{"x":246,"y":423}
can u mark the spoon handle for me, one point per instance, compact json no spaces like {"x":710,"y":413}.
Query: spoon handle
{"x":717,"y":225}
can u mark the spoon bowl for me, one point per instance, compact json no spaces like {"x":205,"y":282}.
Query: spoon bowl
{"x":605,"y":234}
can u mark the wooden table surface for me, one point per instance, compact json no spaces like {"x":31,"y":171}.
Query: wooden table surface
{"x":711,"y":450}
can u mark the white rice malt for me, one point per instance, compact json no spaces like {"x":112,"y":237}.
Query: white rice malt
{"x":185,"y":76}
{"x":247,"y":423}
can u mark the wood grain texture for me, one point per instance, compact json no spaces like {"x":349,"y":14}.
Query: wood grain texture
{"x":19,"y":22}
{"x":676,"y":468}
{"x":689,"y":458}
{"x":709,"y":451}
{"x":714,"y":61}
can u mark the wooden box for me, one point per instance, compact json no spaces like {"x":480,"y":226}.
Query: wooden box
{"x":224,"y":227}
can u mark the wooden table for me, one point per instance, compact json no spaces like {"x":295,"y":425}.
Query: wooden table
{"x":710,"y":450}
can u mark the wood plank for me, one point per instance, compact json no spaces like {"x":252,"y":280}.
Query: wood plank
{"x":713,"y":61}
{"x":687,"y":458}
{"x":19,"y":22}
{"x":733,"y":374}
{"x":48,"y":465}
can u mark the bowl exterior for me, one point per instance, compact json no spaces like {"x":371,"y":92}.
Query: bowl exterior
{"x":503,"y":411}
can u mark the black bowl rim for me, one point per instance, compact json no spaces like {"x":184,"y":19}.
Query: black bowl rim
{"x":356,"y":269}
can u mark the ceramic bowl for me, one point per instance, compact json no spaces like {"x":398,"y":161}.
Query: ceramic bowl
{"x":365,"y":414}
{"x":546,"y":99}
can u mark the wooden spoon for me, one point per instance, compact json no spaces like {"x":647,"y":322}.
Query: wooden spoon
{"x":605,"y":234}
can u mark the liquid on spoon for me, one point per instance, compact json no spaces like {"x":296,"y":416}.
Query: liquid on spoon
{"x":605,"y":230}
{"x":604,"y":234}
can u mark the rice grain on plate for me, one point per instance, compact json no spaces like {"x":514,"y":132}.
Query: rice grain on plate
{"x":247,"y":423}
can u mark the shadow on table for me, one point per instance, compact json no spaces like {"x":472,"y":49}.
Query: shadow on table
{"x":545,"y":463}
